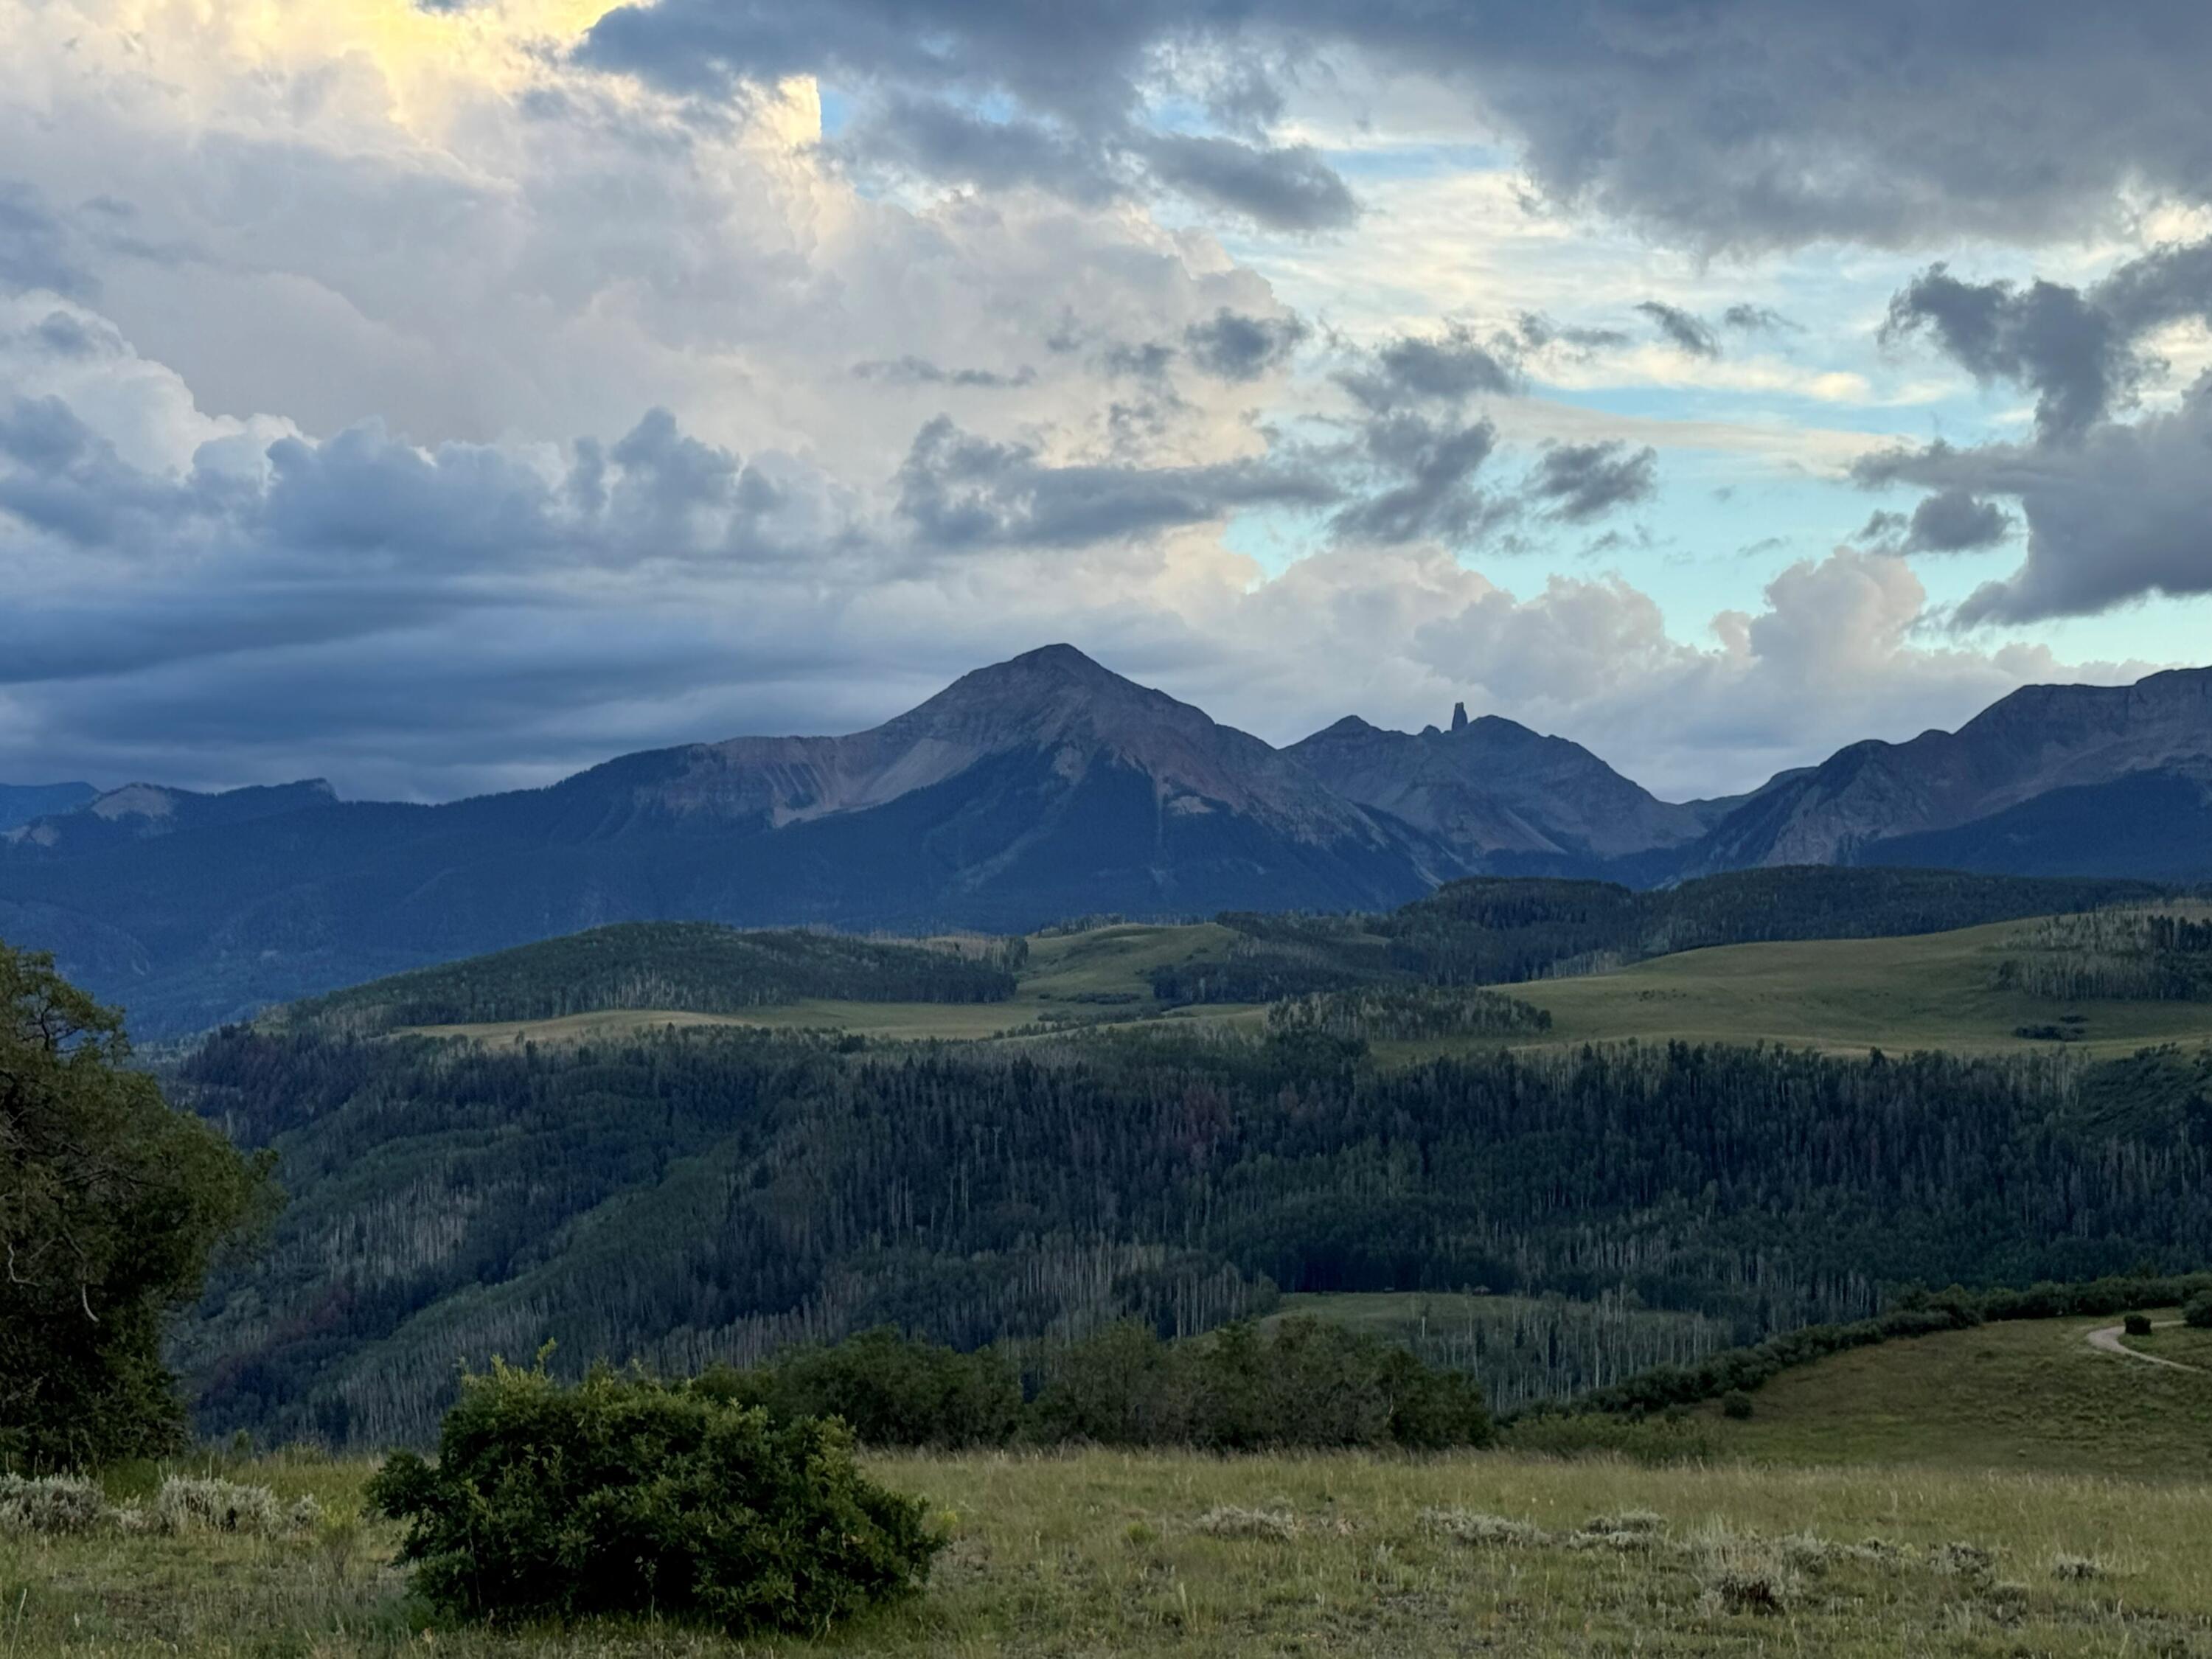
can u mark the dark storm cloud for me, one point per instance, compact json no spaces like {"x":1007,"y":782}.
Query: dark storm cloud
{"x":1232,"y":346}
{"x":1689,"y":332}
{"x":960,"y":492}
{"x":2115,"y":515}
{"x":1954,"y":521}
{"x":1581,"y":482}
{"x":35,"y":246}
{"x":1423,"y":488}
{"x":1726,"y":123}
{"x":2077,"y":350}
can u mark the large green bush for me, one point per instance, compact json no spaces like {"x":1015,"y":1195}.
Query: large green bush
{"x":626,"y":1495}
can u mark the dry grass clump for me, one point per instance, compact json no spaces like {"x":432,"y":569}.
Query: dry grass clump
{"x":1472,"y":1527}
{"x":1962,"y":1560}
{"x":190,"y":1503}
{"x":1743,"y":1575}
{"x":53,"y":1504}
{"x":1628,"y":1531}
{"x":1234,"y":1521}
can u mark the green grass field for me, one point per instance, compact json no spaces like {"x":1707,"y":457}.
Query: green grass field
{"x":2028,"y":1393}
{"x":1103,"y":1553}
{"x":1929,"y":991}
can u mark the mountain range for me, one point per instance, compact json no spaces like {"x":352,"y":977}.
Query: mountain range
{"x":1037,"y":789}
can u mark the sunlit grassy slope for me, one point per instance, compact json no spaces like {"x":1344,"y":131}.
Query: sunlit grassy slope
{"x":1929,"y":991}
{"x":1103,"y":1553}
{"x":2024,"y":1394}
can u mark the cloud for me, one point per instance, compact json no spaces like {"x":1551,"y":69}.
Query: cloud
{"x":1753,"y":319}
{"x":1724,"y":123}
{"x":35,"y":246}
{"x":2115,"y":515}
{"x":1536,"y":331}
{"x":920,"y":371}
{"x":1232,"y":346}
{"x":1448,"y":369}
{"x":1953,"y":521}
{"x":1290,"y":188}
{"x":1581,"y":482}
{"x":2076,"y":350}
{"x":959,"y":492}
{"x":1687,"y":330}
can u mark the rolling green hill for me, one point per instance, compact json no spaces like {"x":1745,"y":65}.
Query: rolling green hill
{"x":1929,"y":991}
{"x":2030,"y":1395}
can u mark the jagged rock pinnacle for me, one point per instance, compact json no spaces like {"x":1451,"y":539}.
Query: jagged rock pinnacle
{"x":1459,"y":717}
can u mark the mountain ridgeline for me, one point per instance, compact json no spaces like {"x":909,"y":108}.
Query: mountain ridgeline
{"x":1038,"y":788}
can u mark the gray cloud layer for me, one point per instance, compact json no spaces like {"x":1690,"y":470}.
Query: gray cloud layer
{"x":1732,"y":122}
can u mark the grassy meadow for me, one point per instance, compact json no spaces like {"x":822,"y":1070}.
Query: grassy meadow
{"x":1103,"y":1553}
{"x":2004,"y":1491}
{"x":1846,"y":996}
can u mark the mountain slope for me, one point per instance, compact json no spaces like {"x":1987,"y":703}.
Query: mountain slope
{"x":2041,"y":739}
{"x":1489,"y":787}
{"x":1038,"y":788}
{"x":22,"y":802}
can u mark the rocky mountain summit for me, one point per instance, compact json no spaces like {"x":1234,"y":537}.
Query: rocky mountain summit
{"x":1039,"y":788}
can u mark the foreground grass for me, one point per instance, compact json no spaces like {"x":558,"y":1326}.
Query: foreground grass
{"x":1100,"y":1553}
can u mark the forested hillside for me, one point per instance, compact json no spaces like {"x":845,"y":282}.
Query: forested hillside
{"x":712,"y":1195}
{"x":694,"y":967}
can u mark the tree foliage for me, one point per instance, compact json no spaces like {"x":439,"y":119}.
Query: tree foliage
{"x":626,"y":1495}
{"x":111,"y":1204}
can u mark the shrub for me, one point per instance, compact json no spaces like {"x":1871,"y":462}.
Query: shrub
{"x":624,"y":1494}
{"x":1737,"y":1404}
{"x":889,"y":1389}
{"x":2137,"y":1324}
{"x":1305,"y":1383}
{"x":51,"y":1503}
{"x":2197,"y":1312}
{"x":186,"y":1503}
{"x":1231,"y":1521}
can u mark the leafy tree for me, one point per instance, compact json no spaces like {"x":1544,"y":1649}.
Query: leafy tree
{"x":2197,"y":1314}
{"x":112,"y":1202}
{"x":623,"y":1494}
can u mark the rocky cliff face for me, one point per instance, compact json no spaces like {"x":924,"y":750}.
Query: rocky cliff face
{"x":1489,"y":787}
{"x":1054,"y":702}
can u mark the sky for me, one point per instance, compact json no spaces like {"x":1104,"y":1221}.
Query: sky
{"x":442,"y":398}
